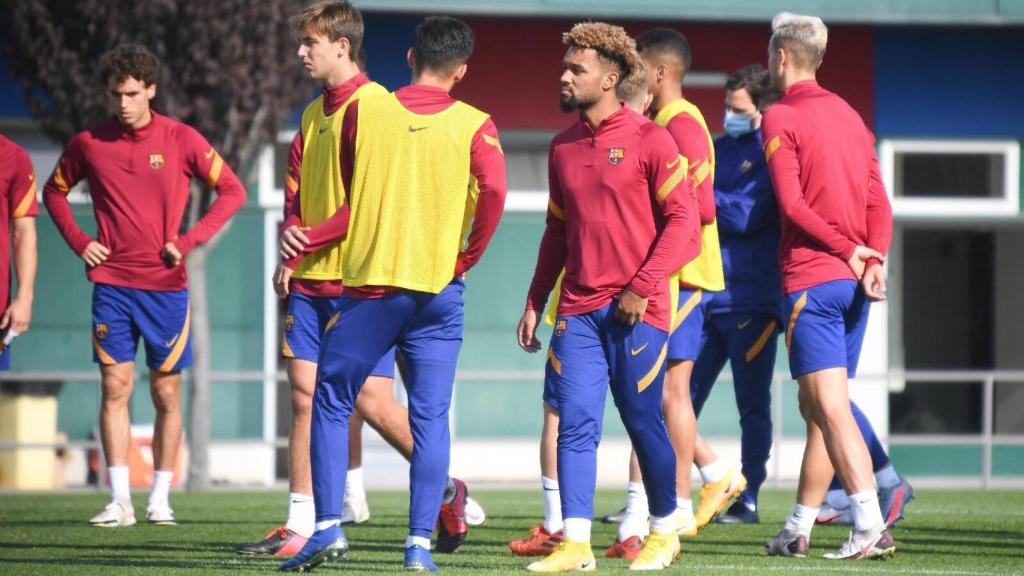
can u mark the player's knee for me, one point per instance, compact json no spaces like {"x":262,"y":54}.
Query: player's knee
{"x":117,"y":389}
{"x":166,"y":397}
{"x":302,"y":402}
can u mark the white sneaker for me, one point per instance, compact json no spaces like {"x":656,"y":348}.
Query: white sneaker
{"x":355,"y":511}
{"x":117,"y":514}
{"x":160,"y":515}
{"x":475,"y":515}
{"x":869,"y":545}
{"x":829,"y":514}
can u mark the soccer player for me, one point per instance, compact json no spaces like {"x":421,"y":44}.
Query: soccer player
{"x":836,"y":227}
{"x":742,"y":322}
{"x":417,"y":166}
{"x":139,"y":165}
{"x":621,"y":218}
{"x":666,"y":53}
{"x":18,"y":210}
{"x":546,"y":536}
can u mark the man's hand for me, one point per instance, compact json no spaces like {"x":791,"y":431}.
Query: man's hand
{"x":293,"y":241}
{"x":526,"y":332}
{"x":873,"y":282}
{"x":18,"y":316}
{"x":95,"y":254}
{"x":171,"y":255}
{"x":631,"y":307}
{"x":859,"y":259}
{"x":282,"y":276}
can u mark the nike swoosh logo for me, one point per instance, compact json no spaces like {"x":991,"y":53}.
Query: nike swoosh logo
{"x":209,"y":154}
{"x":635,"y":351}
{"x":323,"y":129}
{"x":584,"y":566}
{"x":411,"y":129}
{"x":672,"y":165}
{"x":172,"y":341}
{"x":743,"y":324}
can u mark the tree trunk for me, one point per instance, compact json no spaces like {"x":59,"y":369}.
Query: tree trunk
{"x":199,"y":383}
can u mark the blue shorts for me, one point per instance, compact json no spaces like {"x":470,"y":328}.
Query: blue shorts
{"x":120,"y":315}
{"x":684,"y":343}
{"x":825,"y":327}
{"x":305,"y":322}
{"x":5,"y":357}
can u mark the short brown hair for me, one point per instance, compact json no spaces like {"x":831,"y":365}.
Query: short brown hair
{"x":612,"y":44}
{"x":334,"y":19}
{"x":633,"y":85}
{"x":129,"y":61}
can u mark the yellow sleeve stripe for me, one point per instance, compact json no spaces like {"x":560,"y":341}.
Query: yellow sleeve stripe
{"x":555,"y":210}
{"x":670,"y":184}
{"x":754,"y":350}
{"x":58,"y":179}
{"x":291,"y":183}
{"x":179,"y":344}
{"x":792,"y":319}
{"x":494,"y":142}
{"x":771,"y":147}
{"x":648,"y":378}
{"x":214,"y":176}
{"x":26,"y":201}
{"x":701,"y":173}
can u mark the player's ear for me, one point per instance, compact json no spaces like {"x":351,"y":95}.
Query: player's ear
{"x":410,"y":58}
{"x":460,"y":72}
{"x":151,"y":91}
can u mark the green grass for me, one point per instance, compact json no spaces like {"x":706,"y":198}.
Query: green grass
{"x":955,"y":533}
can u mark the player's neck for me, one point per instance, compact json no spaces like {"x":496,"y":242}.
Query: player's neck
{"x":667,"y":94}
{"x":793,"y":76}
{"x":343,"y":72}
{"x":141,"y":123}
{"x":428,"y":78}
{"x":600,"y":111}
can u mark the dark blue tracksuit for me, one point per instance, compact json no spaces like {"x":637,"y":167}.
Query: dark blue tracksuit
{"x":743,"y":321}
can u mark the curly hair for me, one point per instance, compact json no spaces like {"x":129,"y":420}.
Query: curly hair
{"x":612,"y":44}
{"x":129,"y":61}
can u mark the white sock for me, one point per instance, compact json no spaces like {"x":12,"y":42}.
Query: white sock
{"x":577,"y":529}
{"x":837,"y":499}
{"x":552,"y":505}
{"x":801,"y":521}
{"x":866,"y":513}
{"x":713,"y":472}
{"x":887,"y":478}
{"x":420,"y":541}
{"x":354,"y":489}
{"x":119,"y":483}
{"x":635,"y":523}
{"x":663,"y":523}
{"x":327,"y":524}
{"x":684,"y":506}
{"x":161,"y":487}
{"x":301,"y":514}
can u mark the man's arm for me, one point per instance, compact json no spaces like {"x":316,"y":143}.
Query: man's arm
{"x":487,"y":165}
{"x":292,"y":183}
{"x":780,"y":150}
{"x":23,"y":211}
{"x":693,"y":145}
{"x":553,"y":244}
{"x":69,"y":171}
{"x":678,"y":242}
{"x":205,"y":161}
{"x":747,"y":211}
{"x":879,"y":214}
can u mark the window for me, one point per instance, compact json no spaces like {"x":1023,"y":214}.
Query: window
{"x":950,"y":178}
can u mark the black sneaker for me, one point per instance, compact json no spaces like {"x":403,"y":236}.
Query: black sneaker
{"x":739,"y":513}
{"x":451,"y":521}
{"x":280,"y":542}
{"x":614,"y":517}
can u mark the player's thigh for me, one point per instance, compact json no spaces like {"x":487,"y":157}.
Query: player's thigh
{"x":358,"y":336}
{"x":164,"y":319}
{"x":752,"y":352}
{"x":711,"y":358}
{"x":114,"y":334}
{"x":637,"y":357}
{"x":816,"y":329}
{"x":688,"y":325}
{"x":302,"y":328}
{"x":576,"y":375}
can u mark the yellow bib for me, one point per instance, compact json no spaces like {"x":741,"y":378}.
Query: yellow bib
{"x":704,"y":271}
{"x":412,"y":194}
{"x":322,"y":191}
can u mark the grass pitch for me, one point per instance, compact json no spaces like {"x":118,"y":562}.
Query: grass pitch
{"x":954,"y":533}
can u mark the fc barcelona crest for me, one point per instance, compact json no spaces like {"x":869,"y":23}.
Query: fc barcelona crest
{"x":615,"y":155}
{"x":289,"y":322}
{"x":102,"y":331}
{"x":560,"y":326}
{"x":746,"y":166}
{"x":156,"y":161}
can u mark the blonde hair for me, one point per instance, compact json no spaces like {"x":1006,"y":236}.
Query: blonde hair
{"x":611,"y":43}
{"x":803,"y":37}
{"x":633,"y":89}
{"x":334,"y":19}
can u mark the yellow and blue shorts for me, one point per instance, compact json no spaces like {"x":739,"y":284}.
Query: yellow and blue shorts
{"x":825,"y":328}
{"x":120,"y":315}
